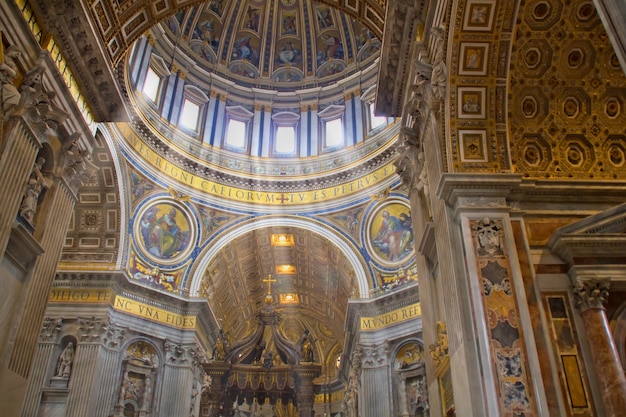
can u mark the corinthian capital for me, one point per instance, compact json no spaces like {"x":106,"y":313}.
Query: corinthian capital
{"x":591,"y":294}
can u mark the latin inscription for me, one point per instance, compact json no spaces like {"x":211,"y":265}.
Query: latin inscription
{"x":391,"y":318}
{"x":249,"y":196}
{"x":159,"y":315}
{"x":71,"y":295}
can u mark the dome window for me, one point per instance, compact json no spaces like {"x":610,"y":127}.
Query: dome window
{"x":332,"y":127}
{"x":152,"y":85}
{"x":237,"y":135}
{"x":285,"y":140}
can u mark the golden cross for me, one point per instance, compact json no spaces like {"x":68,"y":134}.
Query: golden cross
{"x":269,"y":281}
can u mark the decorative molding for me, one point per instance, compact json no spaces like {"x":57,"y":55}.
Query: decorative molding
{"x":374,"y":356}
{"x":50,"y":329}
{"x":91,"y":329}
{"x":180,"y":354}
{"x":591,"y":294}
{"x":113,"y":336}
{"x":439,"y":350}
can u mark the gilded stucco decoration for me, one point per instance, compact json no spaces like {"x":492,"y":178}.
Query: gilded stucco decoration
{"x":536,"y":90}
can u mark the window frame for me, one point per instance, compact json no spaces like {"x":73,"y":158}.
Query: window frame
{"x":196,"y":96}
{"x":330,"y":114}
{"x":240,"y":114}
{"x":285,"y":119}
{"x":159,"y":68}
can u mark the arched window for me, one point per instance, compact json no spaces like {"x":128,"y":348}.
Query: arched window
{"x":152,"y":85}
{"x":372,"y":121}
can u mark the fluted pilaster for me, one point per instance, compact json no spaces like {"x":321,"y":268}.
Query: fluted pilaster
{"x":375,"y":395}
{"x":84,"y":368}
{"x":590,"y":297}
{"x":16,"y":164}
{"x":178,"y":377}
{"x":57,"y":215}
{"x":105,"y":386}
{"x":47,"y":340}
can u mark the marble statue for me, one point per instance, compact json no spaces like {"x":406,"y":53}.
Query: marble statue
{"x":66,"y":360}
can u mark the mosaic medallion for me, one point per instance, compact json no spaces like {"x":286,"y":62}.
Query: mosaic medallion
{"x":164,"y":231}
{"x":390,"y":234}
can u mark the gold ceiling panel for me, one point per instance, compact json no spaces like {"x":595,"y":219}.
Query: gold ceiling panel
{"x":566,"y":94}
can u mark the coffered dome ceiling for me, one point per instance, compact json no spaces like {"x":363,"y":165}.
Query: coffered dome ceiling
{"x":282,"y":45}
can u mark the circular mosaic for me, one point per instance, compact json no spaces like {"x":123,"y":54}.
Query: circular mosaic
{"x":164,"y":231}
{"x":390,"y":234}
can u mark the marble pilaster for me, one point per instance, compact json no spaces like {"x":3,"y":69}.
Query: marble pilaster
{"x":106,"y":374}
{"x":178,"y":377}
{"x":590,"y":297}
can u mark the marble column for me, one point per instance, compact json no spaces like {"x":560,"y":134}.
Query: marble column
{"x":590,"y":296}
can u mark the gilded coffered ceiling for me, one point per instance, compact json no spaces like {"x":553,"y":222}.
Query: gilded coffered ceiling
{"x":536,"y":88}
{"x":567,"y":93}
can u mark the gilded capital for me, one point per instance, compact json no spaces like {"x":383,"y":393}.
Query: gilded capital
{"x":591,"y":294}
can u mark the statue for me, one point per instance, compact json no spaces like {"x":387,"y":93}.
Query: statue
{"x":9,"y":95}
{"x":440,"y":72}
{"x":268,"y":360}
{"x":66,"y":359}
{"x":36,"y":184}
{"x":306,"y":347}
{"x":349,"y":402}
{"x":221,"y":346}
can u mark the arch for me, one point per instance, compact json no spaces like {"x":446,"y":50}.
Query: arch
{"x":351,"y":253}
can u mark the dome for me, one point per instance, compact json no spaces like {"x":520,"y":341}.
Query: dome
{"x":280,"y":91}
{"x":282,"y":45}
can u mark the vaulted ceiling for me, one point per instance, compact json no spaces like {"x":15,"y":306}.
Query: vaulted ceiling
{"x":534,"y":87}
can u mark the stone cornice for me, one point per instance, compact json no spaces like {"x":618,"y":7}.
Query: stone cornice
{"x":594,"y":241}
{"x":401,"y":25}
{"x":119,"y":284}
{"x":607,"y":192}
{"x":469,"y":189}
{"x":69,"y":24}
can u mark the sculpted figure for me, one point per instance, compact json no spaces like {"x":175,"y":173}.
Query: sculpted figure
{"x":36,"y":184}
{"x":10,"y":96}
{"x":306,"y":347}
{"x":66,"y":359}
